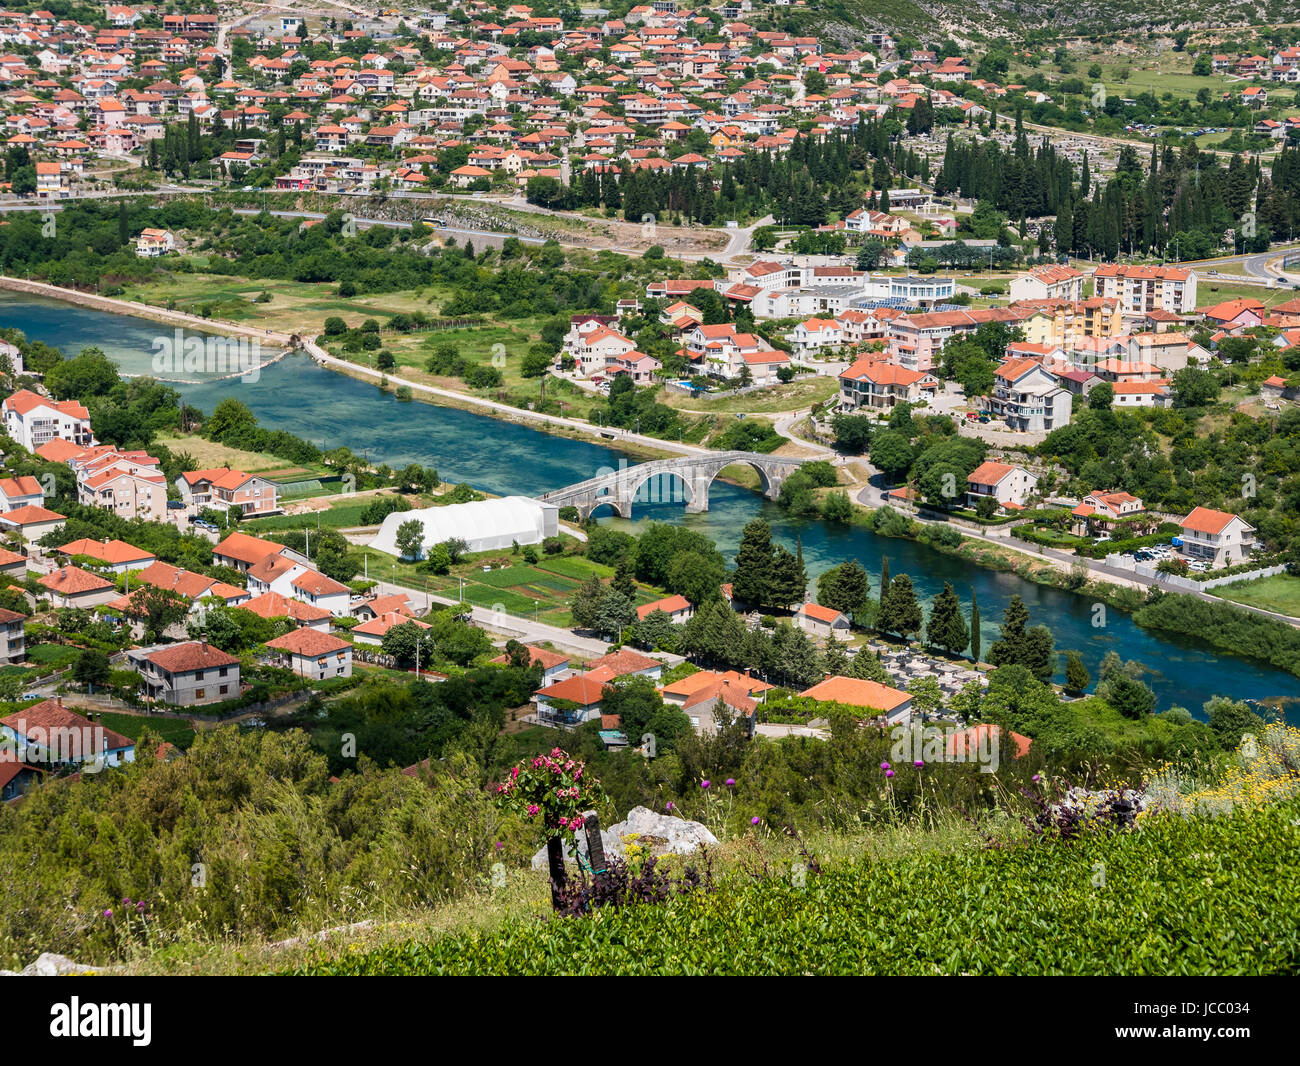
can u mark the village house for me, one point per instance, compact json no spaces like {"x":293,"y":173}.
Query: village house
{"x":1217,"y":537}
{"x":677,"y":607}
{"x":13,"y":637}
{"x":877,"y":385}
{"x":869,"y":696}
{"x":49,"y":733}
{"x":224,"y":489}
{"x":114,"y":555}
{"x":70,"y":586}
{"x":312,"y":654}
{"x":18,"y":492}
{"x":1029,"y":398}
{"x":1010,"y":486}
{"x":1049,"y":282}
{"x":822,"y":621}
{"x":187,"y":675}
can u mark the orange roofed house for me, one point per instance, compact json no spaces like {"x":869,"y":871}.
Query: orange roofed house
{"x":187,"y":675}
{"x":311,"y":653}
{"x":223,"y":489}
{"x":871,"y":696}
{"x":33,"y":420}
{"x":1217,"y":537}
{"x":1009,"y":485}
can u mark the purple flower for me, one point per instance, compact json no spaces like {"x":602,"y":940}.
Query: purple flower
{"x":140,"y":905}
{"x":731,"y":782}
{"x":884,"y":766}
{"x":889,"y":773}
{"x":126,"y":902}
{"x":499,"y":845}
{"x":668,"y":805}
{"x":1035,"y":777}
{"x":754,"y":820}
{"x":108,"y":914}
{"x":918,"y":763}
{"x":704,"y":784}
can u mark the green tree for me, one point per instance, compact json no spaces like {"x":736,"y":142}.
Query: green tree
{"x":1076,"y":674}
{"x":788,"y":580}
{"x":892,"y":453}
{"x":410,"y":539}
{"x":751,"y":582}
{"x":899,"y":610}
{"x":844,"y":588}
{"x":946,"y":627}
{"x":91,"y":667}
{"x":1023,"y":645}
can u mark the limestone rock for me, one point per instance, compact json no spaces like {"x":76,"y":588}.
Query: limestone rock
{"x":50,"y":965}
{"x":662,"y":833}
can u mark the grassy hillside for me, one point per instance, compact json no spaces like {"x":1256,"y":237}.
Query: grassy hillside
{"x":1178,"y":895}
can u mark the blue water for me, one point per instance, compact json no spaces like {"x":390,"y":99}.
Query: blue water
{"x":505,"y":458}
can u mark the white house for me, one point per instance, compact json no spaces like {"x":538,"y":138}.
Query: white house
{"x":33,"y":420}
{"x":1217,"y":537}
{"x":1009,"y":485}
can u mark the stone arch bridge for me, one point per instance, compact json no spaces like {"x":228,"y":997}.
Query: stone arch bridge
{"x":693,"y":474}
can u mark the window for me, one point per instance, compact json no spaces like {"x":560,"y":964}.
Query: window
{"x":222,"y":672}
{"x":198,"y":675}
{"x":222,"y":690}
{"x":199,"y":693}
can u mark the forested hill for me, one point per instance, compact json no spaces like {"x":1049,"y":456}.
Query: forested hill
{"x":848,"y":19}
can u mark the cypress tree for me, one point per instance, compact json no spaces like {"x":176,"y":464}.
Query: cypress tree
{"x":754,"y":559}
{"x":946,"y":628}
{"x":974,"y":626}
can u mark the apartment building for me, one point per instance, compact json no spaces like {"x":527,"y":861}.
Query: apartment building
{"x":1141,"y":289}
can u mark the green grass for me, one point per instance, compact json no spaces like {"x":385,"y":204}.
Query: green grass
{"x":176,"y":730}
{"x":54,"y":655}
{"x":1177,"y":896}
{"x":1280,"y":593}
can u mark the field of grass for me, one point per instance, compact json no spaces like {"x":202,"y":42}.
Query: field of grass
{"x":208,"y":454}
{"x":1181,"y":895}
{"x":801,"y":393}
{"x":176,"y":730}
{"x":543,"y":589}
{"x":1280,"y":593}
{"x":52,"y":656}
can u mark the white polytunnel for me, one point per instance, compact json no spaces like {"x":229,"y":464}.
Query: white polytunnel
{"x":484,"y":526}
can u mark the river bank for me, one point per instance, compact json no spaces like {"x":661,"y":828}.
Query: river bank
{"x":468,"y":443}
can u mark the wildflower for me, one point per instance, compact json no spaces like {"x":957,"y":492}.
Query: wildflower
{"x":754,"y":820}
{"x":705,"y":784}
{"x":499,"y":845}
{"x":1035,"y":778}
{"x":889,"y":773}
{"x":533,"y":809}
{"x":140,"y":905}
{"x":885,"y":766}
{"x":108,"y":914}
{"x":731,"y":782}
{"x":668,"y":806}
{"x":918,"y":763}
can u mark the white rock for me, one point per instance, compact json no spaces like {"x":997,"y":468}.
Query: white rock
{"x":682,"y":837}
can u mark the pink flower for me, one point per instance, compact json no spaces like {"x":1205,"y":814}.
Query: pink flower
{"x":1035,"y":777}
{"x":668,"y":806}
{"x":918,"y":763}
{"x":108,"y":914}
{"x":731,"y":782}
{"x":884,"y":766}
{"x":533,"y":809}
{"x":704,"y":784}
{"x":755,"y":820}
{"x":889,"y":773}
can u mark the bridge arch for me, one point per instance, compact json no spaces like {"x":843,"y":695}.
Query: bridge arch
{"x":674,"y":478}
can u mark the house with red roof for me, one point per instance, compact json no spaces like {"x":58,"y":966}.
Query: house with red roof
{"x":224,"y":489}
{"x":822,"y":621}
{"x":18,"y":492}
{"x":50,"y":733}
{"x":1219,"y":538}
{"x":875,"y":383}
{"x":70,"y":586}
{"x":677,"y":607}
{"x":869,"y":696}
{"x":310,"y":653}
{"x":188,"y":674}
{"x":1010,"y":486}
{"x":32,"y":420}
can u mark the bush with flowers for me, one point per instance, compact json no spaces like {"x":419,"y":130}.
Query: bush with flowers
{"x":1264,"y":770}
{"x":551,"y":791}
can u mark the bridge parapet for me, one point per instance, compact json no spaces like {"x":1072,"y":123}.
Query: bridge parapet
{"x":695,"y":473}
